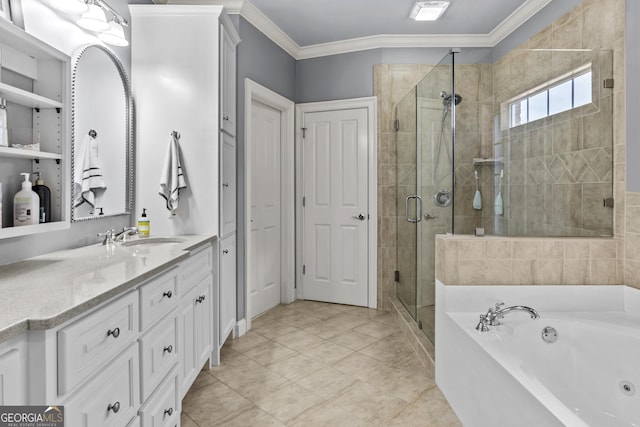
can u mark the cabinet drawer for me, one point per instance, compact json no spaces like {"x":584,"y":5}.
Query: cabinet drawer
{"x":85,"y":345}
{"x":159,"y":352}
{"x":158,"y":297}
{"x":194,"y":269}
{"x":163,"y":407}
{"x":111,"y":398}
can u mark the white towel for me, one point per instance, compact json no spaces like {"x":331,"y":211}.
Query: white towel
{"x":172,"y":180}
{"x":88,"y":179}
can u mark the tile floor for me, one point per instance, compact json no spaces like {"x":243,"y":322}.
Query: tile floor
{"x":316,"y":364}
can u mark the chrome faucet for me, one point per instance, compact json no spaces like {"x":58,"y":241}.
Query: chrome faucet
{"x":107,"y":236}
{"x":495,"y":314}
{"x":126,"y":232}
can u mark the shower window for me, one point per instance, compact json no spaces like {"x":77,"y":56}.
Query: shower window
{"x":559,"y":95}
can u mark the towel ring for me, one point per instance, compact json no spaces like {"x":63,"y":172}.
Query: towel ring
{"x":93,"y":133}
{"x":175,"y":134}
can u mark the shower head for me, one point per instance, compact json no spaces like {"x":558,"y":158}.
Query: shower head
{"x":446,"y":99}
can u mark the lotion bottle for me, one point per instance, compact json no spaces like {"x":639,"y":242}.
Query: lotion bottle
{"x":26,"y":204}
{"x":143,"y":224}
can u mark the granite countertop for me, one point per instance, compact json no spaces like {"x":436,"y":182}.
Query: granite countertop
{"x":46,"y":291}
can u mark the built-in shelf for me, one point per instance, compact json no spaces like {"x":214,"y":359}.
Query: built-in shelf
{"x":26,"y":230}
{"x":478,"y":161}
{"x":28,"y":99}
{"x":18,"y":153}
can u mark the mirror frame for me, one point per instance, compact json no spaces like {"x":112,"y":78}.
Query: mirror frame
{"x":129,"y":126}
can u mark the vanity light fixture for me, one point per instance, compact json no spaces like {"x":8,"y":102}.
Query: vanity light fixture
{"x":428,"y":10}
{"x":70,"y":6}
{"x":93,"y":19}
{"x":114,"y":35}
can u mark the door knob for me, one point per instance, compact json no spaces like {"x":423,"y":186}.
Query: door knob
{"x":360,"y":217}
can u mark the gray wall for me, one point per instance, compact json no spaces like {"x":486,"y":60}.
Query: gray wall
{"x":350,"y":75}
{"x":264,"y":62}
{"x":633,"y":94}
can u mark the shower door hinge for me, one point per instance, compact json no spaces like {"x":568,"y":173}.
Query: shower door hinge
{"x":304,"y":269}
{"x":396,"y":125}
{"x":304,"y":132}
{"x":608,"y":83}
{"x":396,"y":276}
{"x":608,"y":202}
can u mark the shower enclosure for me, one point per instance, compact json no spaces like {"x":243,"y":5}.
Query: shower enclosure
{"x":520,"y":147}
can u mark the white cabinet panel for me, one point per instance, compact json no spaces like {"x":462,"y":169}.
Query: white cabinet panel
{"x":194,"y":269}
{"x":110,"y":398}
{"x":93,"y":340}
{"x":13,"y":373}
{"x":227,"y":81}
{"x":158,"y":350}
{"x":195,"y":334}
{"x":163,"y":408}
{"x":227,"y":287}
{"x":228,"y":185}
{"x":158,"y":297}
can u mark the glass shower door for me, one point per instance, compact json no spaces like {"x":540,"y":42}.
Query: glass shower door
{"x":425,"y":187}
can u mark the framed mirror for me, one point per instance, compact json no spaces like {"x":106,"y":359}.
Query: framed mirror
{"x":101,"y":135}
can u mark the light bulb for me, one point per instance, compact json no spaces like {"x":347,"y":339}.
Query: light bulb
{"x":75,"y":7}
{"x":114,"y":35}
{"x":94,"y":19}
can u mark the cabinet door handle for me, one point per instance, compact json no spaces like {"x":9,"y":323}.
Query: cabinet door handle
{"x":168,"y":411}
{"x":114,"y":407}
{"x":167,"y":349}
{"x":167,"y":294}
{"x":226,"y":251}
{"x":200,"y":298}
{"x":225,"y":118}
{"x":115,"y":332}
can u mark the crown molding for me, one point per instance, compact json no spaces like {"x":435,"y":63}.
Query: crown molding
{"x":249,"y":12}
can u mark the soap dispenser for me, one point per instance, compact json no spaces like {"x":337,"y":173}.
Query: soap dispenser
{"x":44,"y":194}
{"x":26,"y":204}
{"x":143,"y":224}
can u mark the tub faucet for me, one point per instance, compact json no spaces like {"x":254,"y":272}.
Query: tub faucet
{"x":495,"y":314}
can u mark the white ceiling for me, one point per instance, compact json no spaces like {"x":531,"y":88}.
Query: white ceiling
{"x":309,"y":22}
{"x":313,"y":28}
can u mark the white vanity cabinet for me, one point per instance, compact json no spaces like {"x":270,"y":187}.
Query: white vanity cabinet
{"x":34,"y":80}
{"x":128,"y":361}
{"x":13,"y":372}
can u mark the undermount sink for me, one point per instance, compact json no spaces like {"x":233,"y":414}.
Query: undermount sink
{"x":153,"y":241}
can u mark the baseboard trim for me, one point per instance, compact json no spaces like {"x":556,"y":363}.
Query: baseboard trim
{"x":240,"y":329}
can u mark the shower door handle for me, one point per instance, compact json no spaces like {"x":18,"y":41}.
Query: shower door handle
{"x":418,"y":217}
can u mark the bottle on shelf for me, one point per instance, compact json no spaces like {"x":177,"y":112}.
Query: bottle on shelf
{"x":4,"y":133}
{"x":44,"y":194}
{"x":26,"y":204}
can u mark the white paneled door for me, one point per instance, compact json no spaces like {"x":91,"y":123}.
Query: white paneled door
{"x":335,"y":238}
{"x":264,"y":235}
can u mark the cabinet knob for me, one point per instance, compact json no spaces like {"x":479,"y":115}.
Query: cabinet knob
{"x":168,"y":411}
{"x":167,"y":294}
{"x":115,"y":332}
{"x":225,"y":184}
{"x":226,"y":251}
{"x":200,"y":298}
{"x":225,"y":118}
{"x":168,"y":349}
{"x":115,"y":407}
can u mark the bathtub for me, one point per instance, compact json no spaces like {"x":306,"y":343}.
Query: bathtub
{"x":509,"y":376}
